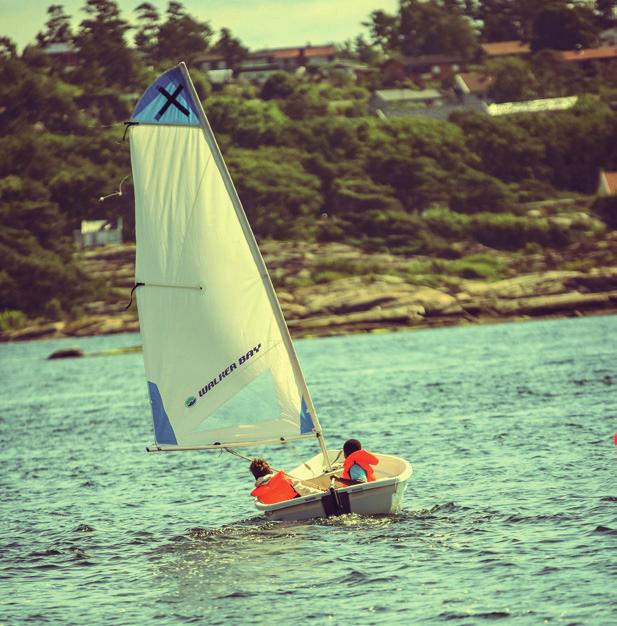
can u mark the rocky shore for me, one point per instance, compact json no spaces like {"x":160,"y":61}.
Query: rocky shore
{"x":380,"y":296}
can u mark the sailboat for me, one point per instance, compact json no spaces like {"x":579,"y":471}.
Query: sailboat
{"x":221,"y":369}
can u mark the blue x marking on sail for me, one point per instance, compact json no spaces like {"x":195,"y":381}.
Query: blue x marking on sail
{"x":171,"y":99}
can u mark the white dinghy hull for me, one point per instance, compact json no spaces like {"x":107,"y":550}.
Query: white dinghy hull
{"x":380,"y":497}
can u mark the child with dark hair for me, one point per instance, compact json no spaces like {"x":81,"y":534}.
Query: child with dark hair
{"x":358,"y":463}
{"x":271,"y":486}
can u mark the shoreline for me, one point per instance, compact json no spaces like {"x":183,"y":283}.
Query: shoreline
{"x":334,"y":289}
{"x":95,"y":327}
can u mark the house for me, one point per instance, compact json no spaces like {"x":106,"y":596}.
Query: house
{"x":352,"y":69}
{"x":63,"y":54}
{"x":472,"y":87}
{"x":220,"y":77}
{"x":258,"y":65}
{"x":402,"y":102}
{"x":607,"y":185}
{"x":532,"y":106}
{"x":261,"y":63}
{"x":399,"y":100}
{"x":497,"y":49}
{"x":98,"y":233}
{"x":586,"y":58}
{"x":421,"y":68}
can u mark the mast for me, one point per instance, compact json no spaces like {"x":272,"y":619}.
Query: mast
{"x":259,"y":262}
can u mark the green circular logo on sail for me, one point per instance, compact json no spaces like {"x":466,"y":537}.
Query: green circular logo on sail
{"x":190,"y":401}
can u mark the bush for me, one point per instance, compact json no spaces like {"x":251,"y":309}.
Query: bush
{"x":12,"y":320}
{"x":606,"y":210}
{"x":481,"y":266}
{"x":446,"y":223}
{"x":510,"y":232}
{"x":53,"y":310}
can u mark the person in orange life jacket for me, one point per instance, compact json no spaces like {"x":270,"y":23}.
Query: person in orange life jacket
{"x":272,"y":487}
{"x":358,"y":463}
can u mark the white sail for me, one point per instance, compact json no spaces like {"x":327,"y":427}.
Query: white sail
{"x":219,"y":362}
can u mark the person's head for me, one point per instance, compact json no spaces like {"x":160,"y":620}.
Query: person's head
{"x":351,"y":446}
{"x":259,"y":468}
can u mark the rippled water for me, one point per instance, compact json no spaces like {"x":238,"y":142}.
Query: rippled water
{"x":511,"y":514}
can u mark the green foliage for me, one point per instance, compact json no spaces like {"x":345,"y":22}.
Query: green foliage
{"x":560,"y":26}
{"x":11,"y":319}
{"x":37,"y":265}
{"x":53,"y":310}
{"x":606,"y":209}
{"x":510,"y":232}
{"x":230,"y":48}
{"x":478,"y":192}
{"x":308,"y":161}
{"x":475,"y":266}
{"x":513,"y":80}
{"x":181,"y":37}
{"x":279,"y":85}
{"x":352,"y":197}
{"x":57,"y":28}
{"x":105,"y":58}
{"x":424,"y":28}
{"x":305,"y":103}
{"x":280,"y":197}
{"x":250,"y":123}
{"x":446,"y":223}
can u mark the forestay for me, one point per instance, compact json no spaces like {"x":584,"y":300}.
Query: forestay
{"x":219,"y":362}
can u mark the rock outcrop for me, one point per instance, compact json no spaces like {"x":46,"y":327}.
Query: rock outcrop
{"x":319,"y":301}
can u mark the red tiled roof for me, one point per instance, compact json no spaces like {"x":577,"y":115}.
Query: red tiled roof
{"x":610,"y":180}
{"x":319,"y":51}
{"x":506,"y":48}
{"x":477,"y":82}
{"x":589,"y":54}
{"x":292,"y":53}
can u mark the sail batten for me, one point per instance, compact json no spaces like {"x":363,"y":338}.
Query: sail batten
{"x":220,"y":365}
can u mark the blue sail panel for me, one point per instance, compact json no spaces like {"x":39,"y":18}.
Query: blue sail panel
{"x":167,"y":101}
{"x":163,"y":431}
{"x":306,"y":421}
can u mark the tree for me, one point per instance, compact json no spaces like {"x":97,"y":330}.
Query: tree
{"x":428,"y":28}
{"x":281,"y":199}
{"x":58,"y":27}
{"x":8,"y":49}
{"x":513,"y":80}
{"x":607,"y":10}
{"x":231,"y":49}
{"x":104,"y":54}
{"x":146,"y":37}
{"x":279,"y":85}
{"x":365,"y":52}
{"x":383,"y":29}
{"x":181,"y":37}
{"x":563,"y":27}
{"x":36,"y":257}
{"x":504,"y":20}
{"x":423,"y":28}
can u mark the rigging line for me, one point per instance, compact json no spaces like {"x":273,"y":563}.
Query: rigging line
{"x":105,"y":125}
{"x":128,"y":306}
{"x":127,"y":125}
{"x":246,"y":458}
{"x":115,"y":193}
{"x":140,"y":284}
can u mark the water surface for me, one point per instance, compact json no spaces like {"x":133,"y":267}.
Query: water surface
{"x":510,"y":517}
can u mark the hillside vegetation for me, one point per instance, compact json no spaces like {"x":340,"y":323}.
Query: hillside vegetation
{"x":472,"y":198}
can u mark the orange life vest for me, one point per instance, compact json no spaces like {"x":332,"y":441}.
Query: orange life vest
{"x":277,"y":489}
{"x":365,"y":460}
